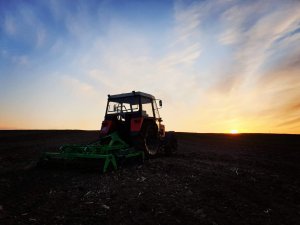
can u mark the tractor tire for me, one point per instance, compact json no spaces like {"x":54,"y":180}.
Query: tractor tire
{"x":148,"y":140}
{"x":170,"y":143}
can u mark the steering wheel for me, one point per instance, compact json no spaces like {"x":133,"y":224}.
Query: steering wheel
{"x":121,"y":116}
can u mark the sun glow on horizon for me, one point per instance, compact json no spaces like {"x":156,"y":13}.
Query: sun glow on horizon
{"x":234,"y":131}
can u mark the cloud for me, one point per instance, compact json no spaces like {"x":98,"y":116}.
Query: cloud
{"x":18,"y":60}
{"x":230,"y":36}
{"x":290,"y":122}
{"x":294,"y":107}
{"x":232,"y":86}
{"x":253,"y":38}
{"x":186,"y":56}
{"x":56,"y":8}
{"x":41,"y":37}
{"x":121,"y":65}
{"x":259,"y":78}
{"x":9,"y":24}
{"x":188,"y":20}
{"x":183,"y":47}
{"x":77,"y":86}
{"x":282,"y":84}
{"x":221,"y":62}
{"x":285,"y":69}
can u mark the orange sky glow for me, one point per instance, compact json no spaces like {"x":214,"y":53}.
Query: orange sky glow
{"x":217,"y":65}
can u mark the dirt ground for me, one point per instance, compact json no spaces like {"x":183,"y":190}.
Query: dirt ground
{"x":214,"y":179}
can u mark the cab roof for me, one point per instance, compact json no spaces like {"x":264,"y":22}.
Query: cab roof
{"x":131,"y":94}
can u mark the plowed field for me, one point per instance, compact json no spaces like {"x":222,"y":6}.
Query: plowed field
{"x":214,"y":179}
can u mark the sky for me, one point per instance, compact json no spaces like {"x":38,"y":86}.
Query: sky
{"x":218,"y":65}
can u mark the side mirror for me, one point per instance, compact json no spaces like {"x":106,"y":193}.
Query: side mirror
{"x":115,"y":107}
{"x":160,"y":103}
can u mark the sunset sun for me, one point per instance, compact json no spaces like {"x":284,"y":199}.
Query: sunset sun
{"x":234,"y":131}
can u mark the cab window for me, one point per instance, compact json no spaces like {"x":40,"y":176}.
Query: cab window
{"x":147,"y":109}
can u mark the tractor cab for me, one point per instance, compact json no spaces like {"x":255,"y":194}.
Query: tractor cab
{"x":127,"y":112}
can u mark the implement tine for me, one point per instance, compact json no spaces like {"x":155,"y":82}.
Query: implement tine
{"x":110,"y":158}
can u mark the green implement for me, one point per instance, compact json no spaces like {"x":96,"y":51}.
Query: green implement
{"x":110,"y":148}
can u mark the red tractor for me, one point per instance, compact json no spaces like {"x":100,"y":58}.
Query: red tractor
{"x":136,"y":118}
{"x":132,"y":128}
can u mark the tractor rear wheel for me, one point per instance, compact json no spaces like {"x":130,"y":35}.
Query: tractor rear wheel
{"x":148,"y":140}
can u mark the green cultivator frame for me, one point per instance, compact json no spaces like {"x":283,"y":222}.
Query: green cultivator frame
{"x":110,"y":148}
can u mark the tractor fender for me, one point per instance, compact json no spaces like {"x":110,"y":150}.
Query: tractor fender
{"x":136,"y":124}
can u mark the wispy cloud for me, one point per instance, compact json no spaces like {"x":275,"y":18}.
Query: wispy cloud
{"x":41,"y":37}
{"x":9,"y":24}
{"x":252,"y":30}
{"x":290,"y":122}
{"x":185,"y":56}
{"x":78,"y":87}
{"x":17,"y":60}
{"x":234,"y":92}
{"x":257,"y":39}
{"x":216,"y":63}
{"x":185,"y":44}
{"x":188,"y":20}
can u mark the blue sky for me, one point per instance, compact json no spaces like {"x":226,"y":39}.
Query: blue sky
{"x":217,"y":65}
